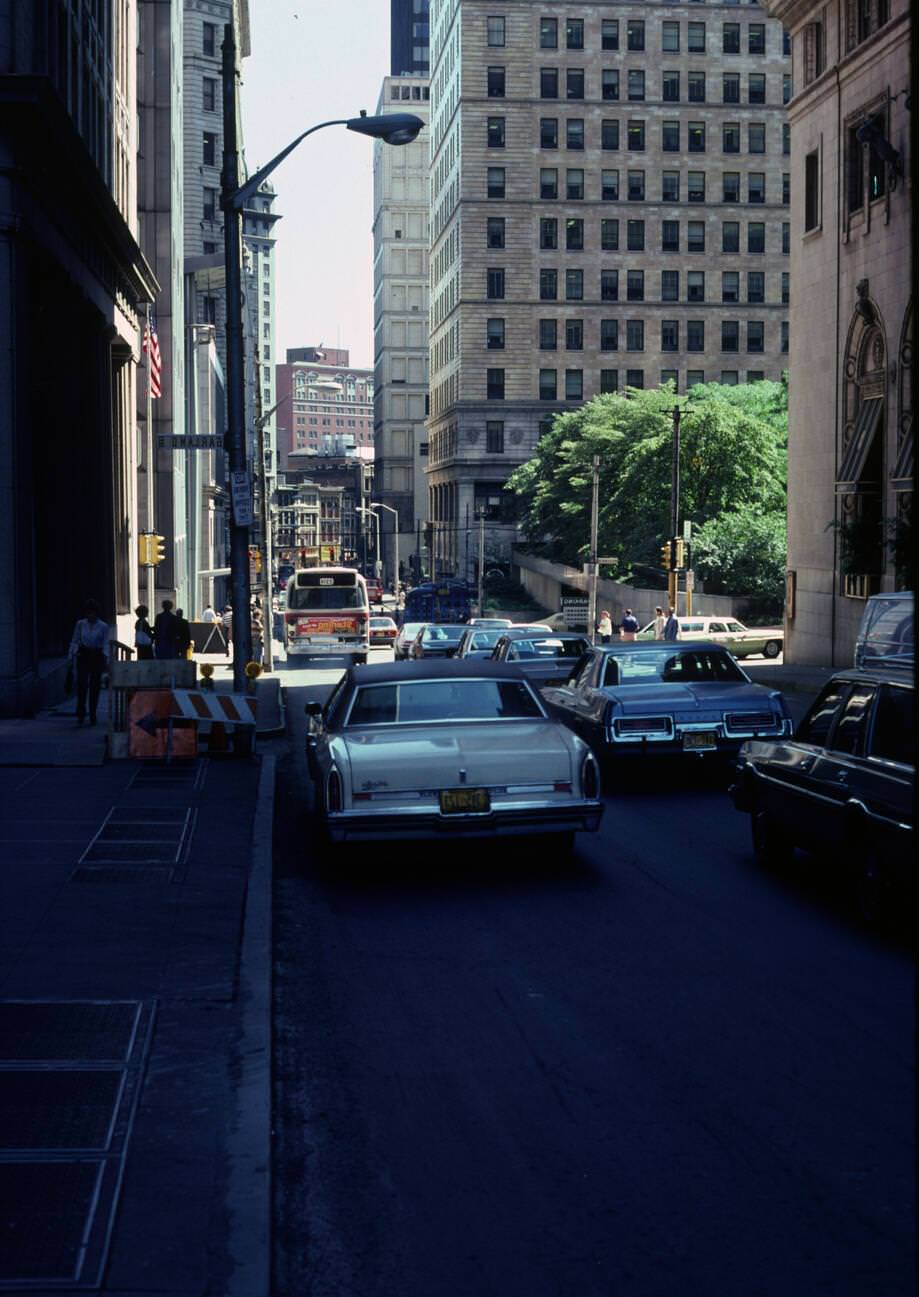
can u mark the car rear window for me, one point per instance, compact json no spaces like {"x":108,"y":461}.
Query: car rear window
{"x":485,"y":639}
{"x":441,"y":700}
{"x":443,"y":634}
{"x":696,"y":667}
{"x":892,"y":738}
{"x":528,"y":649}
{"x":316,"y":598}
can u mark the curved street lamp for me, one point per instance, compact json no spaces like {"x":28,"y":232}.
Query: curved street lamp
{"x":392,"y":128}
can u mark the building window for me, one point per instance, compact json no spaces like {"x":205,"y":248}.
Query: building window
{"x":635,"y":335}
{"x":609,"y":34}
{"x":548,"y":285}
{"x":548,"y":233}
{"x":670,"y":335}
{"x":574,"y":384}
{"x":697,"y":137}
{"x":694,"y":377}
{"x":756,"y":38}
{"x":695,"y":236}
{"x":574,"y":285}
{"x":609,"y":83}
{"x":209,"y":149}
{"x":495,"y":284}
{"x":636,"y":180}
{"x":209,"y":94}
{"x":670,"y":285}
{"x":670,"y":236}
{"x":786,"y":297}
{"x":574,"y":83}
{"x":695,"y":335}
{"x":495,"y":78}
{"x":548,"y":384}
{"x":670,"y":137}
{"x":574,"y":183}
{"x":548,"y":132}
{"x":609,"y":285}
{"x":756,"y":137}
{"x":209,"y":40}
{"x":756,"y":187}
{"x":670,"y":87}
{"x":786,"y":238}
{"x":609,"y":380}
{"x":635,"y":34}
{"x":786,"y":189}
{"x":548,"y":83}
{"x":210,"y":203}
{"x":495,"y":384}
{"x":730,"y":236}
{"x":730,"y":286}
{"x":635,"y":236}
{"x":730,"y":187}
{"x":574,"y":335}
{"x":670,"y":376}
{"x":548,"y":33}
{"x":574,"y":33}
{"x":814,"y":52}
{"x":730,"y":38}
{"x":755,"y":335}
{"x":635,"y":285}
{"x":495,"y":28}
{"x":636,"y":136}
{"x":755,"y":375}
{"x":756,"y":88}
{"x":784,"y":336}
{"x":496,"y":132}
{"x":695,"y":38}
{"x":609,"y":236}
{"x":635,"y":378}
{"x":494,"y":436}
{"x":609,"y":133}
{"x":574,"y":235}
{"x":574,"y":133}
{"x":670,"y":187}
{"x":696,"y":87}
{"x":636,"y":84}
{"x":695,"y":186}
{"x":548,"y":182}
{"x":495,"y":235}
{"x":756,"y":237}
{"x":756,"y":286}
{"x":729,"y":377}
{"x":730,"y":137}
{"x":609,"y":335}
{"x":730,"y":335}
{"x":495,"y":182}
{"x":695,"y":285}
{"x":609,"y":186}
{"x":548,"y":335}
{"x":670,"y":37}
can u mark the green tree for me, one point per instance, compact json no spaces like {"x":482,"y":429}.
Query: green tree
{"x":743,"y":550}
{"x":733,"y":457}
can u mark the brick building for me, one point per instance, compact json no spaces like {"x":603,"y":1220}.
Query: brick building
{"x":323,"y":400}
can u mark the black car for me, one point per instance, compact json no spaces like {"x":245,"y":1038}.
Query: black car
{"x":435,"y":640}
{"x":478,"y":642}
{"x":545,"y":657}
{"x":842,"y":784}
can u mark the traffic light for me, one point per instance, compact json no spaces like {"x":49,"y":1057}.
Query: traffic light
{"x":145,"y":549}
{"x":666,"y":556}
{"x":157,"y":549}
{"x":679,"y":546}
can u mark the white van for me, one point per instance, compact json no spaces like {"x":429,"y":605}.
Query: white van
{"x":885,"y":637}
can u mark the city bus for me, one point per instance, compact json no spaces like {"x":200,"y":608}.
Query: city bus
{"x":327,"y":614}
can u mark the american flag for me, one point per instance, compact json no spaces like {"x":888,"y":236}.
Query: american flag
{"x":154,"y":360}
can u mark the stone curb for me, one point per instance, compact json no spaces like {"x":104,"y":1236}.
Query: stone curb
{"x":249,"y":1142}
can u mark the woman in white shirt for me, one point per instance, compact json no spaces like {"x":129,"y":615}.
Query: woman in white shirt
{"x":89,"y":649}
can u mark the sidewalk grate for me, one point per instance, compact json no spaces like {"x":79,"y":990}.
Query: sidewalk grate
{"x":125,"y":874}
{"x":188,"y":774}
{"x":130,"y":839}
{"x":70,"y":1079}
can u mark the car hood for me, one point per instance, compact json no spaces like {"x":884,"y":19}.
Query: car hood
{"x":688,"y":697}
{"x":431,"y":756}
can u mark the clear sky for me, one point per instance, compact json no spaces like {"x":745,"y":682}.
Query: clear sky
{"x":313,"y":61}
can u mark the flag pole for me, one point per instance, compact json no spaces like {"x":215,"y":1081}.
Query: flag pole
{"x":151,"y":471}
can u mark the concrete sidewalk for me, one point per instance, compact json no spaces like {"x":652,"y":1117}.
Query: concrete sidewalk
{"x":135,"y":967}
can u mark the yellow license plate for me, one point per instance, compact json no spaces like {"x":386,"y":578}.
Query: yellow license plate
{"x":695,"y":742}
{"x":464,"y":801}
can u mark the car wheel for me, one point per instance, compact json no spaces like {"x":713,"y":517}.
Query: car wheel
{"x":772,"y":648}
{"x":771,"y":847}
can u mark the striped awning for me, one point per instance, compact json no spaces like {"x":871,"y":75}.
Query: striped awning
{"x":856,"y":453}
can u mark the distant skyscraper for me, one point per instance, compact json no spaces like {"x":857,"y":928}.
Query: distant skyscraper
{"x":409,"y":37}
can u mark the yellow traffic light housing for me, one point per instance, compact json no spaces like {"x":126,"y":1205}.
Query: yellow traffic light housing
{"x":680,"y":557}
{"x":158,"y":549}
{"x":666,"y":557}
{"x":144,"y":548}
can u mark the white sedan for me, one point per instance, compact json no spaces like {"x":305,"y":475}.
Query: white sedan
{"x":447,"y":750}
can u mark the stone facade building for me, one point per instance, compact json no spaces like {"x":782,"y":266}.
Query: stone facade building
{"x":323,"y":403}
{"x":850,"y":470}
{"x":400,"y":323}
{"x":609,"y":205}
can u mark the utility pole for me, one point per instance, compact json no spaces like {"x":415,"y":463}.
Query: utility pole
{"x":673,"y":579}
{"x":150,"y":451}
{"x":594,"y":565}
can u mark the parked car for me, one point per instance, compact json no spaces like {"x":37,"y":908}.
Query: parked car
{"x":842,"y":784}
{"x":402,"y":645}
{"x":447,"y":751}
{"x":743,"y":641}
{"x":684,"y":699}
{"x":490,"y":623}
{"x":885,"y":636}
{"x":544,"y":657}
{"x":478,"y":642}
{"x":383,"y":630}
{"x":436,"y":641}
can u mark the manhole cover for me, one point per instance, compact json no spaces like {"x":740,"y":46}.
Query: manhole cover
{"x":58,"y":1109}
{"x":45,"y":1211}
{"x":32,"y":1031}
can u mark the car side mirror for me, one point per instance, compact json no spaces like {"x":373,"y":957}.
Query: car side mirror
{"x":313,"y":709}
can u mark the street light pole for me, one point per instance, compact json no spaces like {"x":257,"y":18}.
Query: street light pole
{"x":673,"y":579}
{"x":594,"y":527}
{"x":378,"y":504}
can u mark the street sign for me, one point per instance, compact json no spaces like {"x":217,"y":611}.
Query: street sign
{"x":609,"y":559}
{"x":241,"y":495}
{"x":196,"y":442}
{"x":687,"y":531}
{"x":575,"y":612}
{"x":326,"y":553}
{"x":690,"y":579}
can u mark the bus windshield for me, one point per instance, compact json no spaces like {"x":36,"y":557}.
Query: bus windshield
{"x":324,"y":598}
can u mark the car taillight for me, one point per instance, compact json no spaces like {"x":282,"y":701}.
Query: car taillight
{"x":561,"y":786}
{"x":334,"y":793}
{"x":590,"y":779}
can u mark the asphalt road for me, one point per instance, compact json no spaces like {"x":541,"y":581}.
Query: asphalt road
{"x":648,"y":1070}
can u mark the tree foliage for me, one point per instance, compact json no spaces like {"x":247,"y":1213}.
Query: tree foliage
{"x":743,"y":550}
{"x":732,"y":461}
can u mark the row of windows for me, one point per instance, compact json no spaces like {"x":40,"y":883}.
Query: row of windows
{"x":635,"y":33}
{"x":673,"y":333}
{"x":754,"y":283}
{"x":671,"y":138}
{"x":672,"y":237}
{"x":636,"y":186}
{"x":409,"y":92}
{"x":696,"y":87}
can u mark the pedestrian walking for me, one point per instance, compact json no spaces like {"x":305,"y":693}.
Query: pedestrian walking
{"x":605,"y":628}
{"x":209,"y":615}
{"x":671,"y":626}
{"x":143,"y":633}
{"x":660,"y":622}
{"x":258,"y":633}
{"x":226,"y":621}
{"x":629,"y":627}
{"x":183,"y":635}
{"x":165,"y":633}
{"x":89,"y":652}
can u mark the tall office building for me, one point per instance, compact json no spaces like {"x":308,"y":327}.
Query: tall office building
{"x":400,"y":328}
{"x":409,"y":37}
{"x":610,"y":191}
